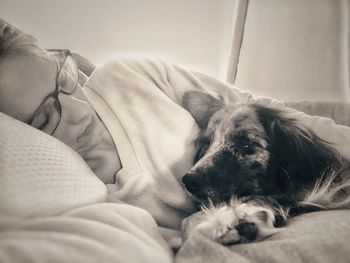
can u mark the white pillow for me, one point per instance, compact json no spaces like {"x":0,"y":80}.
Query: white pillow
{"x":40,"y":175}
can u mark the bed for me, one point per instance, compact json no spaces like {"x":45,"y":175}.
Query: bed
{"x":54,"y":209}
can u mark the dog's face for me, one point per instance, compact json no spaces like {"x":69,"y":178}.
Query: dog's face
{"x":232,"y":158}
{"x":248,"y":150}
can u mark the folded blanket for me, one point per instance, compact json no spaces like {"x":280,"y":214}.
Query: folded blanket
{"x":95,"y":233}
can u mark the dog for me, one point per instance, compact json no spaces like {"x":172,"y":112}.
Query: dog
{"x":255,"y":167}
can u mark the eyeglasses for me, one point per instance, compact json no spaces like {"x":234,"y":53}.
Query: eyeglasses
{"x":48,"y":115}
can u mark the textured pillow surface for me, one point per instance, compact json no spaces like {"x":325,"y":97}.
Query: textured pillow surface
{"x":40,"y":175}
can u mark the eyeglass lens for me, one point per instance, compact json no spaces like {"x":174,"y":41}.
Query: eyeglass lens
{"x":68,"y":75}
{"x":48,"y":115}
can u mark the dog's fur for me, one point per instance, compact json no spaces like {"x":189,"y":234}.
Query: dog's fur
{"x":259,"y":156}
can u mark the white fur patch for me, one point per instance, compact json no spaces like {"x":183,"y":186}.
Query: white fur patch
{"x":220,"y":221}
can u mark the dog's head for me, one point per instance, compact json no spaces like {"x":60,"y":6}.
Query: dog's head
{"x":250,"y":149}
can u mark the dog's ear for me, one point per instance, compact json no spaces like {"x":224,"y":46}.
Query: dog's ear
{"x":301,"y":154}
{"x":201,"y":106}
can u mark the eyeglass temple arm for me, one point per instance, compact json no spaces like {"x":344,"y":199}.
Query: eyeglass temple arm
{"x":84,"y":64}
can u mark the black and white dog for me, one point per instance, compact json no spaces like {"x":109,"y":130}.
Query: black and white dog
{"x":255,"y":167}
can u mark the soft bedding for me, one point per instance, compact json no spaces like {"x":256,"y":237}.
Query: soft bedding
{"x":315,"y":237}
{"x":337,"y":111}
{"x":81,"y":227}
{"x":52,"y":207}
{"x":102,"y":232}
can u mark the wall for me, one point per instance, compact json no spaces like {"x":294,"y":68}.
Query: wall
{"x":193,"y":33}
{"x":295,"y":50}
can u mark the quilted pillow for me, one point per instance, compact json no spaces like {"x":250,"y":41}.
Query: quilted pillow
{"x":41,"y":176}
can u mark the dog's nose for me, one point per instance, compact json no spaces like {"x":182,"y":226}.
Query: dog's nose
{"x":192,"y":182}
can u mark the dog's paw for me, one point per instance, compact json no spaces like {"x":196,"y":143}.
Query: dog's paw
{"x":227,"y":235}
{"x":219,"y":225}
{"x":248,"y":231}
{"x":238,"y":223}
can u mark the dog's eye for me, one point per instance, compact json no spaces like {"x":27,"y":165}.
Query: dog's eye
{"x":202,"y":150}
{"x":248,"y":149}
{"x":202,"y":141}
{"x":202,"y":144}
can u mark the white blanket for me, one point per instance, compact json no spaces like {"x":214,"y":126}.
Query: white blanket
{"x":95,"y":233}
{"x":140,"y":102}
